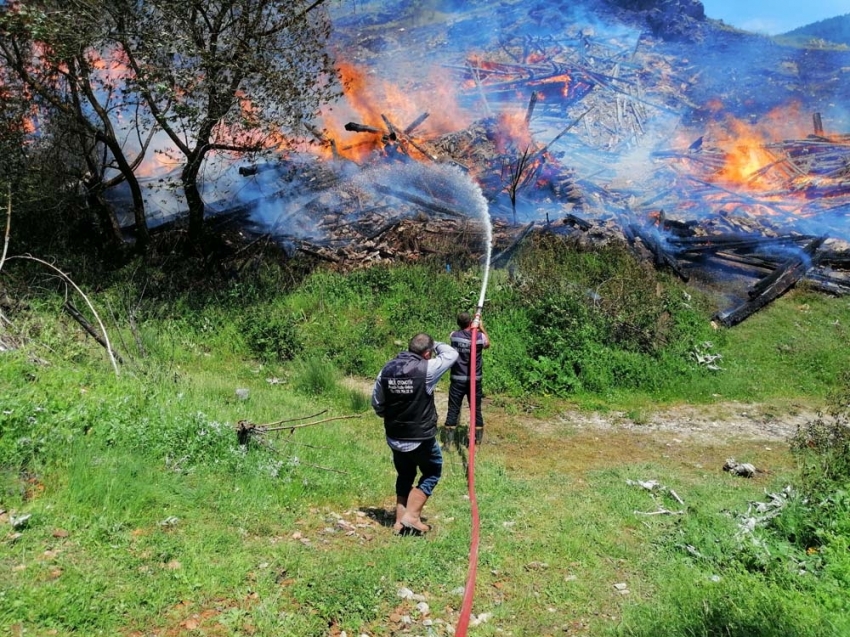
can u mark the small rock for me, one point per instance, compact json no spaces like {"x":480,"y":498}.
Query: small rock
{"x":242,"y":393}
{"x":405,"y":593}
{"x":536,"y":566}
{"x":423,"y":608}
{"x":345,"y":525}
{"x":744,"y":469}
{"x":477,"y":620}
{"x":19,"y":521}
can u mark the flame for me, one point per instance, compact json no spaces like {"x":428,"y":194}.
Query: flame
{"x":367,"y":100}
{"x":112,"y":65}
{"x":747,"y":158}
{"x":513,"y":132}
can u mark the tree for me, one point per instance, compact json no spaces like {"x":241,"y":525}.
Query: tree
{"x":213,"y":76}
{"x":55,"y":50}
{"x":13,"y":131}
{"x":228,"y":76}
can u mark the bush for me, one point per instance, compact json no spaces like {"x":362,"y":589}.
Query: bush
{"x":315,"y":377}
{"x":271,"y":335}
{"x":822,"y":447}
{"x":599,"y":320}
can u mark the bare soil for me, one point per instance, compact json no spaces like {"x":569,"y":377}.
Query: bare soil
{"x":723,"y":424}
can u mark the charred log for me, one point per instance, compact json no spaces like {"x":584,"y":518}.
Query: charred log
{"x":655,"y":244}
{"x":362,"y":128}
{"x":773,"y":286}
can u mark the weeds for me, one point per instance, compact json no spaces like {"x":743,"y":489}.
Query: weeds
{"x":147,"y":515}
{"x":822,"y":446}
{"x":316,"y":377}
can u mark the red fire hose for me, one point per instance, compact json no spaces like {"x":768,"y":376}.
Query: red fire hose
{"x":469,"y":590}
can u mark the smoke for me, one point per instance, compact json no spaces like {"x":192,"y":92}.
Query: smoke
{"x":409,"y":58}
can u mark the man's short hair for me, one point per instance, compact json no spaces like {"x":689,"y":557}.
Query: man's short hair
{"x":420,"y":343}
{"x":463,"y":320}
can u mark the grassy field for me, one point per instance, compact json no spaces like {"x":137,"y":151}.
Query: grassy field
{"x":146,"y":517}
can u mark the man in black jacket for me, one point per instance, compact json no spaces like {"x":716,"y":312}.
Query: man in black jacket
{"x":461,"y":385}
{"x":404,"y":397}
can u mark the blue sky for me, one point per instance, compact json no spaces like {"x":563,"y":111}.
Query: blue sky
{"x":773,"y":16}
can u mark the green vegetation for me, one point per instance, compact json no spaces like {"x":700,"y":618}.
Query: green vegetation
{"x":146,"y":516}
{"x":824,"y":34}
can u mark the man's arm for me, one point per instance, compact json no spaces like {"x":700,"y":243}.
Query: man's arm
{"x":378,"y":396}
{"x":483,"y":338}
{"x":446,"y":355}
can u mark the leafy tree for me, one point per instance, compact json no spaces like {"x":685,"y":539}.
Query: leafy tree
{"x":13,"y":131}
{"x":227,"y":76}
{"x":224,"y":76}
{"x":55,"y":51}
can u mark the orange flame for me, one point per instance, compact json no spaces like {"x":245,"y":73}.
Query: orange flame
{"x":745,"y":144}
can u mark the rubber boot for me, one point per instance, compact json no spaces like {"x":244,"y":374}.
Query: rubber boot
{"x":400,"y":509}
{"x":411,"y":519}
{"x":447,"y":436}
{"x":479,"y":435}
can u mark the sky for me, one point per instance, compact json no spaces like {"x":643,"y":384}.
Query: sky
{"x":773,"y":16}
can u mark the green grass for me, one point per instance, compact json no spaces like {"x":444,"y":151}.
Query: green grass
{"x":147,"y":517}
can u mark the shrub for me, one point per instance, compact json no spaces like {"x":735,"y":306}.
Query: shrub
{"x":271,"y":335}
{"x":600,"y":320}
{"x":315,"y":377}
{"x":821,"y":447}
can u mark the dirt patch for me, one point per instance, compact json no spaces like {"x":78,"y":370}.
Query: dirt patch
{"x":716,"y":423}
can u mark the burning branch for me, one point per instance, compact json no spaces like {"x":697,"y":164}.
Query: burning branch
{"x":774,"y":285}
{"x":521,"y":173}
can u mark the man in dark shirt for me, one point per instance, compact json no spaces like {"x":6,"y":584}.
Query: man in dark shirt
{"x":460,"y":386}
{"x":404,"y":397}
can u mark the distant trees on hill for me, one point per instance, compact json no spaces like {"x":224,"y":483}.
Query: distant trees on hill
{"x":835,"y":30}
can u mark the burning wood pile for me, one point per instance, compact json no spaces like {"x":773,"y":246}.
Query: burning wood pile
{"x":560,"y":130}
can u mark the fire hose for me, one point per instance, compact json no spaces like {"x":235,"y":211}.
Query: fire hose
{"x":469,"y":589}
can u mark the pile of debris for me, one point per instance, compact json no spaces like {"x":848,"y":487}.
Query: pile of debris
{"x":559,"y":120}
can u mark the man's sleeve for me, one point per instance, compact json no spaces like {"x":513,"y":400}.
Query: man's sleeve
{"x":378,"y":397}
{"x":439,"y":365}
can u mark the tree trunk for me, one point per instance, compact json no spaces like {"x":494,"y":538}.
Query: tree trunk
{"x":142,"y":234}
{"x":195,"y":202}
{"x":106,"y":217}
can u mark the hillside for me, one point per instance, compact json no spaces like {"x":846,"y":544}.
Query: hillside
{"x":834,"y":31}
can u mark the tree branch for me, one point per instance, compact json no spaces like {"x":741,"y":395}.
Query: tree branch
{"x":65,"y":277}
{"x":8,"y":225}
